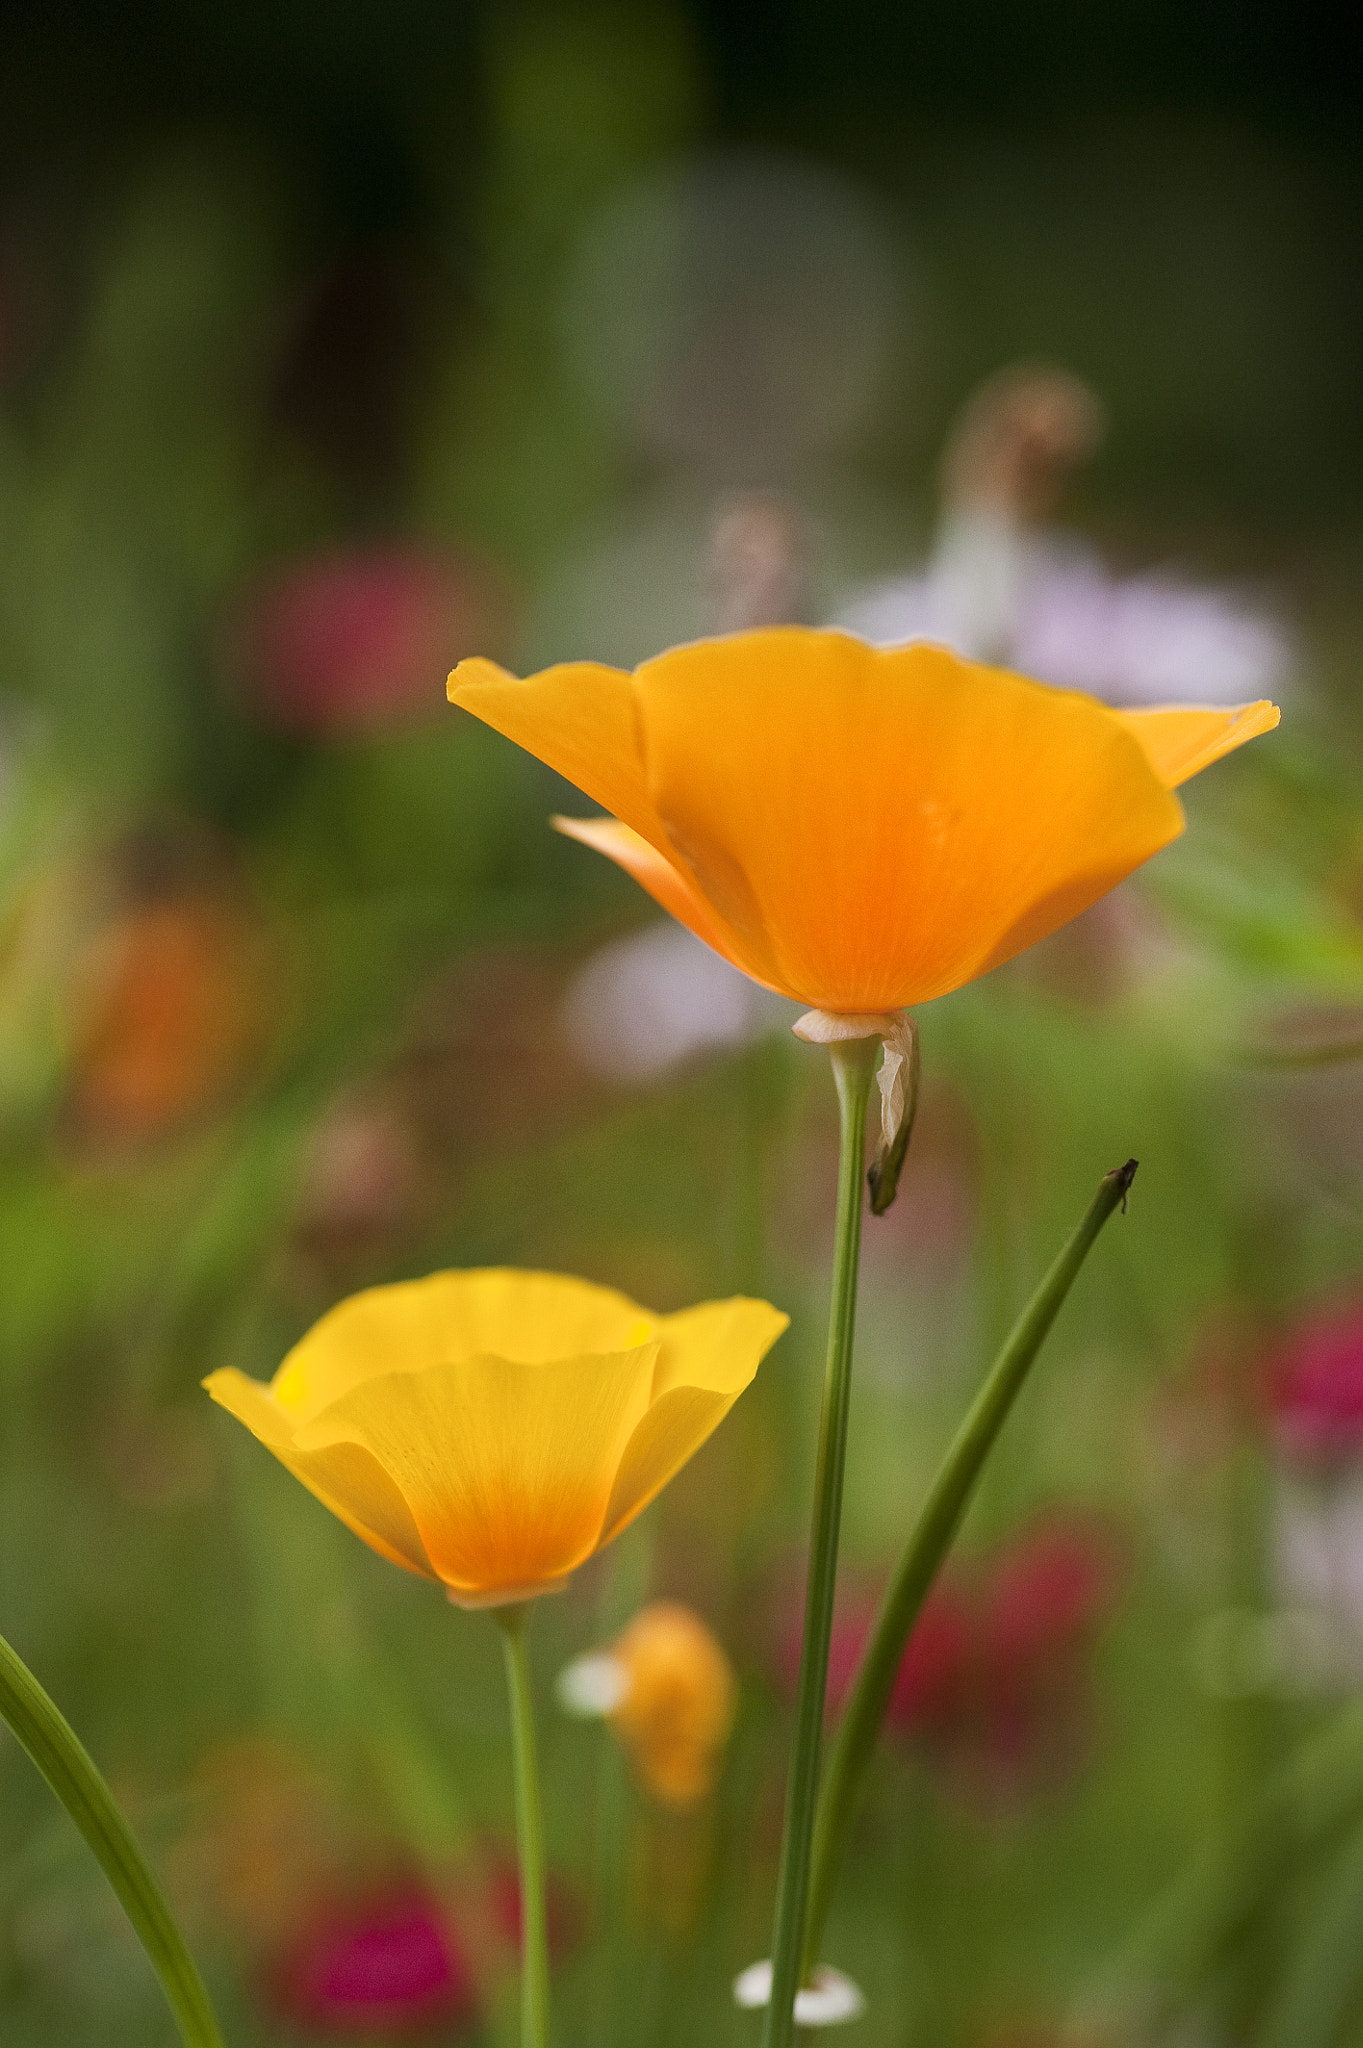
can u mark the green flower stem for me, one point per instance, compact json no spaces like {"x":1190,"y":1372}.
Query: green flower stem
{"x":855,"y":1742}
{"x":513,"y":1622}
{"x":63,"y":1760}
{"x":854,"y":1062}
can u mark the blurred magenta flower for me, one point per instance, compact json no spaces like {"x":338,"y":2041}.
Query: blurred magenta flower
{"x":1316,"y":1387}
{"x":995,"y":1668}
{"x":359,"y":640}
{"x":937,"y":1672}
{"x":387,"y":1962}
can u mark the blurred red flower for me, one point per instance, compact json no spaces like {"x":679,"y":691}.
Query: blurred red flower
{"x":388,"y":1962}
{"x":995,"y":1668}
{"x":358,"y":640}
{"x":1316,"y":1387}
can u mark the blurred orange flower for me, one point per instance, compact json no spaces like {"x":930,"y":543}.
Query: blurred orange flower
{"x":171,"y":1008}
{"x":669,"y":1693}
{"x":858,"y":828}
{"x":492,"y":1429}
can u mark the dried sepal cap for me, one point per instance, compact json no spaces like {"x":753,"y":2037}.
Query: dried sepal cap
{"x":898,"y":1080}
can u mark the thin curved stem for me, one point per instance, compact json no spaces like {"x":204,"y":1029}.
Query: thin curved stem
{"x":62,"y":1758}
{"x":513,"y":1622}
{"x":938,"y":1521}
{"x":854,"y":1063}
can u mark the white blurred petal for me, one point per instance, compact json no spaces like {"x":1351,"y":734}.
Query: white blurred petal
{"x":643,"y":1004}
{"x":830,"y":2001}
{"x":591,"y":1686}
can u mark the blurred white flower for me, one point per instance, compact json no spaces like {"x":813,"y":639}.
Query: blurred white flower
{"x":829,"y":1999}
{"x":1318,"y":1558}
{"x":999,"y":585}
{"x":643,"y":1004}
{"x":1049,"y":608}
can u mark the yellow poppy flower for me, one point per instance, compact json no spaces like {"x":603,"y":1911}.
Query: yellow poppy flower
{"x":859,"y":828}
{"x":491,"y":1429}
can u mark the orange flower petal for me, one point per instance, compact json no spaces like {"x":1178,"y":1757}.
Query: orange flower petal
{"x":889,"y":823}
{"x":506,"y":1468}
{"x":669,"y":885}
{"x":580,"y":718}
{"x":1181,"y":740}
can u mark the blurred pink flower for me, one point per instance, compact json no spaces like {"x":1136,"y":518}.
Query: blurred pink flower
{"x":389,"y":1962}
{"x":355,"y":640}
{"x":1316,"y":1387}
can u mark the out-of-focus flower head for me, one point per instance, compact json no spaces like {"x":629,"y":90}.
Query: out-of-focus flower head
{"x":759,"y":561}
{"x":880,"y":827}
{"x":668,"y":1691}
{"x":1041,"y":1606}
{"x":934,"y":1684}
{"x":1045,"y":1593}
{"x":266,"y":1836}
{"x":995,"y":1668}
{"x":170,"y":1007}
{"x":1001,"y":585}
{"x":388,"y":1961}
{"x":492,"y":1429}
{"x":1316,"y":1387}
{"x":357,"y":640}
{"x":643,"y":1005}
{"x":1019,"y":439}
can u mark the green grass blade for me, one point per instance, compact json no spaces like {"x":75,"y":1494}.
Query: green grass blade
{"x":63,"y":1760}
{"x":937,"y":1524}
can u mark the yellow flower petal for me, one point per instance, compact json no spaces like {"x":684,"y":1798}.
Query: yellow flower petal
{"x":1181,"y":740}
{"x":709,"y":1355}
{"x":887,"y":822}
{"x":491,"y":1312}
{"x":506,"y":1468}
{"x":344,"y":1477}
{"x":499,"y":1470}
{"x":580,"y":718}
{"x":718,"y":1345}
{"x":668,"y":883}
{"x":672,"y":1431}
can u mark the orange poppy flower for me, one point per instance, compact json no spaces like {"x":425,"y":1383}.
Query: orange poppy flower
{"x":858,"y":828}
